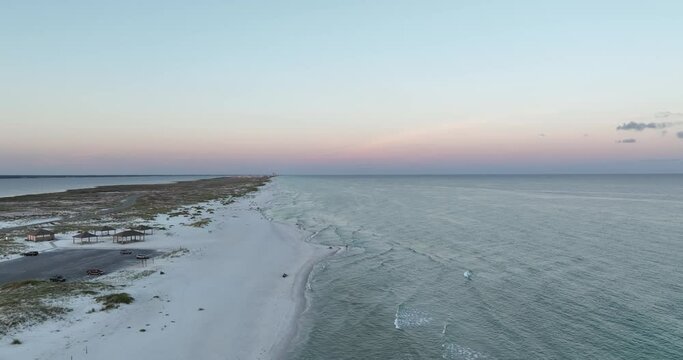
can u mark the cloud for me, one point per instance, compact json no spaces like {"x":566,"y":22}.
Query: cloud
{"x":541,"y":135}
{"x":666,"y":114}
{"x":680,"y":134}
{"x":642,"y":126}
{"x":627,"y":141}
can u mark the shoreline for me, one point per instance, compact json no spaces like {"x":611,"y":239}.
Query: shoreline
{"x":302,"y":301}
{"x":225,"y":298}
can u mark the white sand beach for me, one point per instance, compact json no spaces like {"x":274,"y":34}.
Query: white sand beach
{"x":223,"y":299}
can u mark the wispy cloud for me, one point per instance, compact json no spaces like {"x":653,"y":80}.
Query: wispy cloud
{"x":666,"y":114}
{"x":626,"y":141}
{"x":642,"y":126}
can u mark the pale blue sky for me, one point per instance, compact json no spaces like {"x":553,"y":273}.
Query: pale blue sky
{"x":338,"y":86}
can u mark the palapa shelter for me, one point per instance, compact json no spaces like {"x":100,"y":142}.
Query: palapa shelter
{"x":40,"y":235}
{"x":128,"y":236}
{"x":144,"y":229}
{"x":105,"y":231}
{"x":84,"y":235}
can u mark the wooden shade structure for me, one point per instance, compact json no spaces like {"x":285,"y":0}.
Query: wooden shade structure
{"x":144,"y":229}
{"x":105,"y":230}
{"x":128,"y":236}
{"x":84,"y":235}
{"x":40,"y":235}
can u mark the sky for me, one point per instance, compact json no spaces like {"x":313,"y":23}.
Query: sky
{"x":341,"y":87}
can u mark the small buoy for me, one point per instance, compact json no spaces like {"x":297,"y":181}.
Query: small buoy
{"x":468,"y":275}
{"x":284,"y":275}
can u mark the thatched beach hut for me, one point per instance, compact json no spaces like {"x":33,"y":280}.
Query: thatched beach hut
{"x":128,"y":236}
{"x":84,"y":235}
{"x":40,"y":235}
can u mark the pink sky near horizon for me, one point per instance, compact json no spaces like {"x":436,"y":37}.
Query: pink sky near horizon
{"x":343,"y":87}
{"x":456,"y":146}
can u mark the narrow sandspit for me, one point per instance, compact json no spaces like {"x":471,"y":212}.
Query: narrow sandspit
{"x":224,"y":299}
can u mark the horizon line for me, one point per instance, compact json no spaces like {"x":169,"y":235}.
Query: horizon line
{"x":18,"y":176}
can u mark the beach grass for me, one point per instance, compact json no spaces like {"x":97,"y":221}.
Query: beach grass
{"x":121,"y":204}
{"x":112,"y":301}
{"x":175,"y":253}
{"x":141,"y":274}
{"x":200,"y":223}
{"x":33,"y":301}
{"x":10,"y":246}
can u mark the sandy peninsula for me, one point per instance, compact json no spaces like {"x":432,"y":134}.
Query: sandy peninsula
{"x":221,"y":295}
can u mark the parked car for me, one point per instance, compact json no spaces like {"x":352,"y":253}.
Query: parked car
{"x":30,"y":253}
{"x":95,"y":272}
{"x":58,"y":278}
{"x":126,"y":252}
{"x":142,"y":256}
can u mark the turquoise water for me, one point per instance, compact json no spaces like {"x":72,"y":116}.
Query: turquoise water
{"x":564,"y":267}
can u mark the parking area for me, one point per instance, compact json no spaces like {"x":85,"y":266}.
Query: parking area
{"x":70,"y":263}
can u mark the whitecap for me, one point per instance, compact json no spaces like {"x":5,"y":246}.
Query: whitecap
{"x":407,"y":317}
{"x":453,"y":351}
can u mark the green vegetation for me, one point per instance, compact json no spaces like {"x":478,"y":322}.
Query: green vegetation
{"x":10,"y":247}
{"x":66,"y":227}
{"x":166,"y":198}
{"x":112,"y":301}
{"x":200,"y":223}
{"x":141,"y":274}
{"x":175,"y":253}
{"x":16,"y":342}
{"x":32,"y":301}
{"x":179,"y":213}
{"x":119,"y":204}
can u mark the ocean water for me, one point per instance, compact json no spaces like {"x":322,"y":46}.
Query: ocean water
{"x":14,"y":186}
{"x":564,"y":267}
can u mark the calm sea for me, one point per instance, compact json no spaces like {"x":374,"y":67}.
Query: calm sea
{"x":564,"y":267}
{"x":13,"y":186}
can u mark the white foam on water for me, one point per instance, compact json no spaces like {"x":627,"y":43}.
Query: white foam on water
{"x":453,"y":351}
{"x":407,"y":318}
